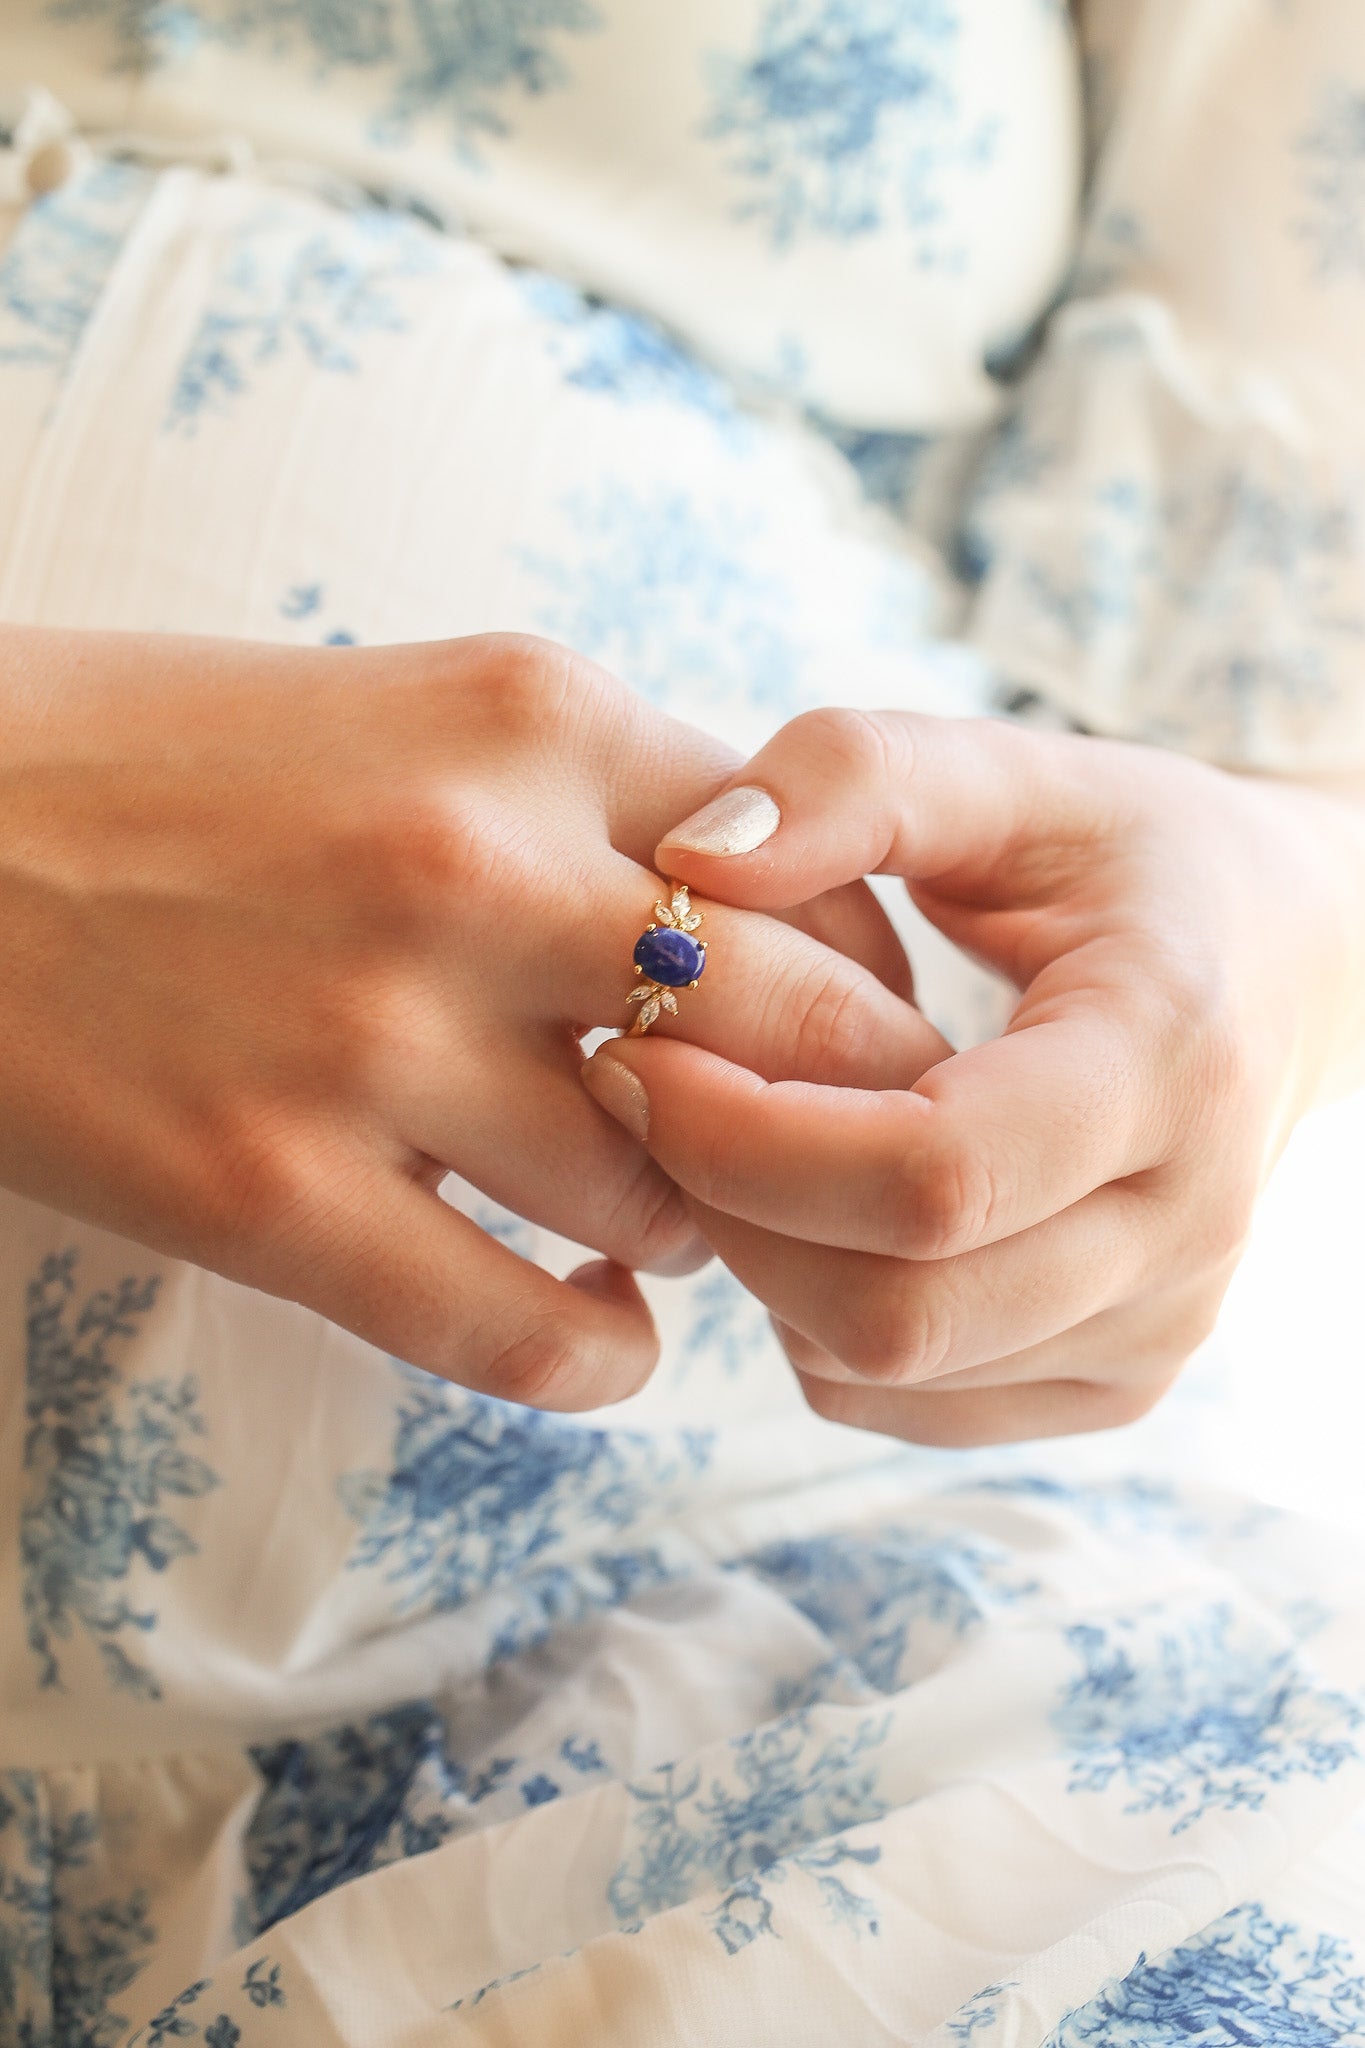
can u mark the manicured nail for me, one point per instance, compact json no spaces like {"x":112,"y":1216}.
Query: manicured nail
{"x":621,"y":1093}
{"x":734,"y":823}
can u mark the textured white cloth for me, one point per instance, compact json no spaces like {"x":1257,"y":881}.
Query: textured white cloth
{"x":1171,"y":531}
{"x":340,"y":1706}
{"x":850,"y":201}
{"x":863,"y":207}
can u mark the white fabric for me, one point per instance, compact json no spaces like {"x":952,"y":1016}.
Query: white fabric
{"x":340,"y":1706}
{"x":864,"y":206}
{"x":1171,"y":532}
{"x":850,"y":201}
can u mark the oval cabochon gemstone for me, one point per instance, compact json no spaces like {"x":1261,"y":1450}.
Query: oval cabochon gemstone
{"x":670,"y":958}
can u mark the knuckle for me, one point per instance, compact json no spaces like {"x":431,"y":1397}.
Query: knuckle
{"x":649,"y":1222}
{"x":872,"y":1348}
{"x":898,"y":1335}
{"x":942,"y":1201}
{"x":544,"y":1366}
{"x":1218,"y":1052}
{"x":267,"y":1179}
{"x":541,"y":684}
{"x":863,"y":744}
{"x":384,"y":1030}
{"x":415,"y":856}
{"x":1200,"y":1040}
{"x":836,"y":1024}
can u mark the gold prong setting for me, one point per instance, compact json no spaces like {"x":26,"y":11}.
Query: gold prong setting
{"x":667,"y":958}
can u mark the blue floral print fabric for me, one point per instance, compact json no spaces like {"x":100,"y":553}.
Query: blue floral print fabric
{"x":1169,"y":540}
{"x":850,"y":203}
{"x":341,"y":1705}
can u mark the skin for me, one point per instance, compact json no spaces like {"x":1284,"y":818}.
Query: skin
{"x":289,"y":933}
{"x":1029,"y":1237}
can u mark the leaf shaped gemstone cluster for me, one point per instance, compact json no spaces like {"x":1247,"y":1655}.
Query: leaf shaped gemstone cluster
{"x":651,"y":1000}
{"x":678,"y":915}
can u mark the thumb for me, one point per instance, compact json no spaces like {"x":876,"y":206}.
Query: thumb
{"x":955,"y":806}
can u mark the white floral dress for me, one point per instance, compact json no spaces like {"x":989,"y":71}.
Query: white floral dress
{"x":338,"y":1705}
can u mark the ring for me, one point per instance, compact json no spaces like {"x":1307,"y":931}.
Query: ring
{"x":668,"y":958}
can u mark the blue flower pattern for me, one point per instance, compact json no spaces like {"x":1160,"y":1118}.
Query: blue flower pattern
{"x":348,"y":1801}
{"x":481,"y":1495}
{"x":1251,"y":1980}
{"x":887,"y":465}
{"x":1224,"y":549}
{"x":848,"y":114}
{"x":672,"y":594}
{"x":784,"y":1801}
{"x":301,"y":601}
{"x":727,"y":1329}
{"x":352,"y":1799}
{"x":186,"y":2016}
{"x":262,"y":1985}
{"x":305,"y":601}
{"x":53,"y":272}
{"x":1197,"y":1717}
{"x":101,"y":1466}
{"x":65,"y":1956}
{"x":979,"y":2013}
{"x":176,"y":2020}
{"x":842,"y":118}
{"x":582,"y":1756}
{"x":494,"y":1984}
{"x":457,"y":58}
{"x":317,"y":295}
{"x":1132,"y":1505}
{"x":624,"y":356}
{"x":893,"y":1602}
{"x":1332,"y":161}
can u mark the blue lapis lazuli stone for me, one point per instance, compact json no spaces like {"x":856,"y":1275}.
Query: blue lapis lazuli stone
{"x":668,"y":957}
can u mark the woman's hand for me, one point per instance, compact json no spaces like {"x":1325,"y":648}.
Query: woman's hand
{"x":286,"y":934}
{"x":1031,"y":1236}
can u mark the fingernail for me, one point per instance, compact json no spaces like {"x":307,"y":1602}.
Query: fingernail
{"x":621,"y":1093}
{"x":599,"y":1277}
{"x":691,"y":1255}
{"x":734,"y":823}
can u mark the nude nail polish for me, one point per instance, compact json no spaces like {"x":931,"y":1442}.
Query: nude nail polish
{"x":621,"y":1093}
{"x":736,"y":822}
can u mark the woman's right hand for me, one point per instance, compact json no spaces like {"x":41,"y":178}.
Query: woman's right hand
{"x":286,"y":934}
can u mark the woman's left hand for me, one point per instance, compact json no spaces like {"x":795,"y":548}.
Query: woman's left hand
{"x":1032,"y":1235}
